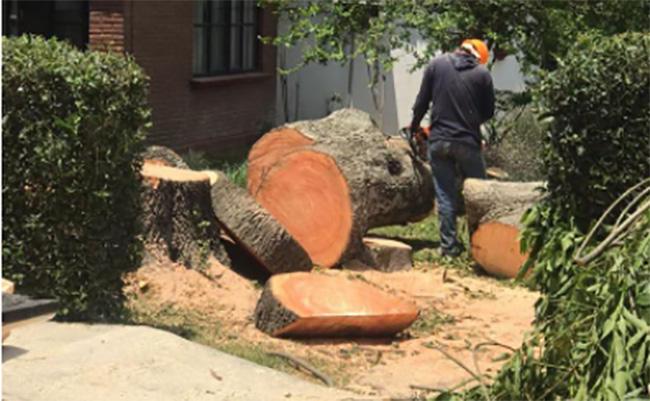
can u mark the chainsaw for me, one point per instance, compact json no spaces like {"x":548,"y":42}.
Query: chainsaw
{"x":417,"y":140}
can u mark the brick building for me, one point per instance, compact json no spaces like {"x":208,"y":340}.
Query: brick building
{"x":212,"y":82}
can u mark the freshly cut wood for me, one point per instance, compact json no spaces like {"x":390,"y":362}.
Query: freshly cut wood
{"x":308,"y":194}
{"x":375,"y":181}
{"x":318,"y":305}
{"x":255,"y":230}
{"x":164,"y":156}
{"x":8,"y":286}
{"x":177,"y":215}
{"x":268,"y":150}
{"x":389,"y":255}
{"x":494,"y":210}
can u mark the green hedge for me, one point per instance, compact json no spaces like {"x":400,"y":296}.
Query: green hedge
{"x":73,"y":127}
{"x":599,"y":140}
{"x":591,"y":339}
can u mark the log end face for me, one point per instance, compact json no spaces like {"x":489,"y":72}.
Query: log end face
{"x":495,"y":247}
{"x":307,"y":193}
{"x":269,"y":149}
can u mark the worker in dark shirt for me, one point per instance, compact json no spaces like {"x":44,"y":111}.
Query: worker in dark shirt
{"x":459,"y":89}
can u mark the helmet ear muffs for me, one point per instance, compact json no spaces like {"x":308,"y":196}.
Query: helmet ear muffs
{"x":471,"y":49}
{"x":478,"y":48}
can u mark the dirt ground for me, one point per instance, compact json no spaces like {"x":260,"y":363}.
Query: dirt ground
{"x":458,"y":311}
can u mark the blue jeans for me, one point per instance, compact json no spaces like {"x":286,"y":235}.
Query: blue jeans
{"x":448,"y":160}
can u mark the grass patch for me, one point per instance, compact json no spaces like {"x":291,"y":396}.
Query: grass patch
{"x":430,"y":322}
{"x":236,"y":169}
{"x":252,"y":352}
{"x":205,"y":330}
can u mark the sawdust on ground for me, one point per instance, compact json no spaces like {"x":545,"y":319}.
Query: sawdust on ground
{"x":459,"y":311}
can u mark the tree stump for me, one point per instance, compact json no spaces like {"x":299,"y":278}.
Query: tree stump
{"x":177,"y":215}
{"x":494,"y":210}
{"x":317,"y":305}
{"x":328,"y":181}
{"x":255,"y":230}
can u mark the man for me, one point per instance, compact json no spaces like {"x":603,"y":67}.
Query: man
{"x":462,"y":96}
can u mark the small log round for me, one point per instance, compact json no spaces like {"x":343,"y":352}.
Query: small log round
{"x":389,"y":255}
{"x":302,"y":305}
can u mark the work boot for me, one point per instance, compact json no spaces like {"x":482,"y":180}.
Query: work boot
{"x":453,"y":252}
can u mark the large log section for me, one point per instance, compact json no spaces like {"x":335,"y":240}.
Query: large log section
{"x":328,"y":181}
{"x":255,"y":230}
{"x":494,"y":210}
{"x":318,"y":305}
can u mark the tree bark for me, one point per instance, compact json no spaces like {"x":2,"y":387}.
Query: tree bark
{"x":384,"y":183}
{"x":302,"y":305}
{"x":164,"y":156}
{"x":177,"y":216}
{"x":494,"y":210}
{"x":255,"y":230}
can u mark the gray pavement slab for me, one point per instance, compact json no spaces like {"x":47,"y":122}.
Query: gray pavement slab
{"x":80,"y":362}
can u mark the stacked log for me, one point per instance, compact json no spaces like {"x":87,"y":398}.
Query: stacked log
{"x":494,"y":210}
{"x":330,"y":180}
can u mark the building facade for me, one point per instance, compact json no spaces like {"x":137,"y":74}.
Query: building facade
{"x":213,"y":84}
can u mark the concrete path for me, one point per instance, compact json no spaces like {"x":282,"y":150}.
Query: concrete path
{"x":79,"y":362}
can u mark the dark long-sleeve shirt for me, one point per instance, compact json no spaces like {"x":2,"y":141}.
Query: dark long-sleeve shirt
{"x":462,"y":97}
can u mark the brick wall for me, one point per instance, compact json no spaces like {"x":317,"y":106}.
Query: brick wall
{"x":216,"y":117}
{"x":106,"y":25}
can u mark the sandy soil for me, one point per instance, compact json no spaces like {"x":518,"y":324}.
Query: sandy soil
{"x":470,"y":310}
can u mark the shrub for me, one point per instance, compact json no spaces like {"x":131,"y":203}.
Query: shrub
{"x":591,"y":339}
{"x":516,"y":141}
{"x":72,"y":129}
{"x":599,"y":139}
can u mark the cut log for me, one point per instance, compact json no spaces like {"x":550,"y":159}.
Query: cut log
{"x":177,"y":215}
{"x":375,"y":181}
{"x":268,"y":150}
{"x":255,"y":230}
{"x":494,"y":210}
{"x":389,"y":255}
{"x":318,"y":305}
{"x":308,"y":194}
{"x":164,"y":156}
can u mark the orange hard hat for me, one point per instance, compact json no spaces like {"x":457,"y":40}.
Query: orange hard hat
{"x":478,"y":49}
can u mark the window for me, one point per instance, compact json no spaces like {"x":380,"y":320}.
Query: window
{"x":225,"y":37}
{"x":64,"y":19}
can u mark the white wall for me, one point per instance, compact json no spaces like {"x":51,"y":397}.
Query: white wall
{"x":310,"y":88}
